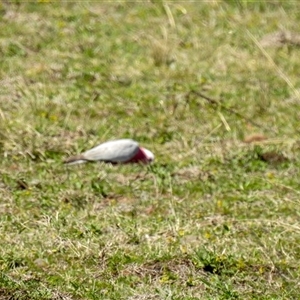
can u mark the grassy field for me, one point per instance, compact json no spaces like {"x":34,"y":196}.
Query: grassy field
{"x":213,"y":217}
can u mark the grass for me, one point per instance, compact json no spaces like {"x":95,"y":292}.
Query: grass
{"x":210,"y":219}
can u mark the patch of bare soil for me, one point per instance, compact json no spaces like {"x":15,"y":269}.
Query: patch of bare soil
{"x":181,"y":267}
{"x":280,"y":38}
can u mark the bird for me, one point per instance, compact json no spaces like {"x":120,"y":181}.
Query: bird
{"x":120,"y":151}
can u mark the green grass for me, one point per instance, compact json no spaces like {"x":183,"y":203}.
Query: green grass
{"x":210,"y":219}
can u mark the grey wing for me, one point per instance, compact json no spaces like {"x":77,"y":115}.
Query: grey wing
{"x":113,"y":151}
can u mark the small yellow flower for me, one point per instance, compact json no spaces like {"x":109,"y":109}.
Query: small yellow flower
{"x":61,"y":24}
{"x":53,"y":117}
{"x":165,"y":278}
{"x":241,"y":264}
{"x":183,"y":249}
{"x":207,"y":235}
{"x":181,"y":232}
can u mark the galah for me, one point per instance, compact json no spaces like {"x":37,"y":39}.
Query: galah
{"x":116,"y":152}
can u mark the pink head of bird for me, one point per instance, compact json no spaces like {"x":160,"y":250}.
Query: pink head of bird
{"x":143,"y":155}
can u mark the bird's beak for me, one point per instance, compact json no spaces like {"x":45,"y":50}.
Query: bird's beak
{"x":149,"y":155}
